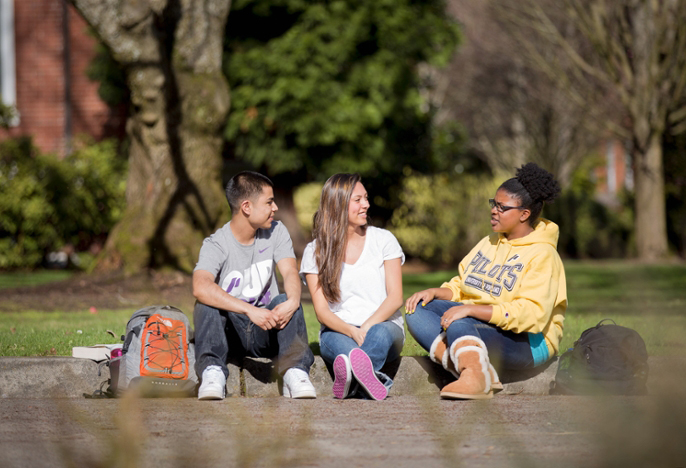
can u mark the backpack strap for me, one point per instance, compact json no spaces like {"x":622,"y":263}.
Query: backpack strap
{"x":100,"y":393}
{"x":605,"y":320}
{"x":590,"y":330}
{"x":101,"y":364}
{"x":134,"y":331}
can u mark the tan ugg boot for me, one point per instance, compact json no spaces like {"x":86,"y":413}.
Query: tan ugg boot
{"x":438,"y":348}
{"x":496,"y":384}
{"x":471,"y":361}
{"x":439,"y":354}
{"x":448,"y":364}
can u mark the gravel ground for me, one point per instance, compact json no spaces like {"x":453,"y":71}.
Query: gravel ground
{"x":405,"y":431}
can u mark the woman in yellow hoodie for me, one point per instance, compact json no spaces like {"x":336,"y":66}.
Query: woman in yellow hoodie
{"x":506,"y":308}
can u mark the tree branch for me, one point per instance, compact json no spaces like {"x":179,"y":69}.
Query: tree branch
{"x":125,"y":26}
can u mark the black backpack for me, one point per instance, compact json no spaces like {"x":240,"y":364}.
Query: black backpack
{"x":606,"y":359}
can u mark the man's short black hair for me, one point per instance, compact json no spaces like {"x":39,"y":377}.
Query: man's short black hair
{"x":245,"y":185}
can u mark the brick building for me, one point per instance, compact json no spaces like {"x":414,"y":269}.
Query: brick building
{"x":45,"y":49}
{"x":616,"y":174}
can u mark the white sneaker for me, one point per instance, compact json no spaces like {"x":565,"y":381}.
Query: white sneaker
{"x":296,"y":384}
{"x":213,"y":385}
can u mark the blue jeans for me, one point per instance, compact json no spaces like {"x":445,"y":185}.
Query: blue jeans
{"x":383,"y":343}
{"x":506,"y":349}
{"x":219,"y":332}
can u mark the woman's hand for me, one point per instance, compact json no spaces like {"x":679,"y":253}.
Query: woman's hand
{"x":425,"y":297}
{"x":357,"y":334}
{"x":480,"y":312}
{"x":454,"y":313}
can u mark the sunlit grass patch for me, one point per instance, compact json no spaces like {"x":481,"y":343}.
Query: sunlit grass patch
{"x":32,"y":278}
{"x":33,"y":333}
{"x":648,"y":298}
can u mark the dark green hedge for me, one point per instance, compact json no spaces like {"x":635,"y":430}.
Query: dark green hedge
{"x":47,"y":204}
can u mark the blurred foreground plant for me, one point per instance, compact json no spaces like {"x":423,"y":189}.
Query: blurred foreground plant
{"x":138,"y":432}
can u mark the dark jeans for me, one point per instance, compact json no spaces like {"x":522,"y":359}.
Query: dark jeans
{"x":219,"y":333}
{"x":506,"y":349}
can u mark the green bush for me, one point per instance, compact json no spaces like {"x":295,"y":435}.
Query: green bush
{"x":47,"y":203}
{"x":589,"y":228}
{"x":441,"y":217}
{"x":7,"y":114}
{"x":306,"y":200}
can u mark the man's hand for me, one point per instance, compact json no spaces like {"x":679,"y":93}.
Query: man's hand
{"x":284,"y":312}
{"x":263,"y":318}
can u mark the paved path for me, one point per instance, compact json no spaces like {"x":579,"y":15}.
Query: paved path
{"x":404,"y":431}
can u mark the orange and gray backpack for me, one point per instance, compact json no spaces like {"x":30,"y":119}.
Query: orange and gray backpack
{"x":158,"y":356}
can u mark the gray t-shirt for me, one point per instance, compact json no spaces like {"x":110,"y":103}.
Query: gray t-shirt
{"x":246,"y":271}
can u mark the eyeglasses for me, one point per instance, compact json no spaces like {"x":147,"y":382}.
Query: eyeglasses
{"x":502,"y":208}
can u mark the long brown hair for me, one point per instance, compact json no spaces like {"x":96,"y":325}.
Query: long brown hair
{"x":330,"y":228}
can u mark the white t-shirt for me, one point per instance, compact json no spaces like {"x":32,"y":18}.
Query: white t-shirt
{"x":363,"y":284}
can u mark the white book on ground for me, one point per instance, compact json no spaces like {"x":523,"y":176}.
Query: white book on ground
{"x":97,"y":352}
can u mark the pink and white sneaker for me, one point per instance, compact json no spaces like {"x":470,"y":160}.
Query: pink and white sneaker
{"x":342,"y":376}
{"x":363,"y":371}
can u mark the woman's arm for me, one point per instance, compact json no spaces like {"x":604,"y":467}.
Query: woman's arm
{"x":324,"y":314}
{"x":539,"y":293}
{"x":530,"y":309}
{"x":394,"y":294}
{"x":480,"y":312}
{"x":427,"y":296}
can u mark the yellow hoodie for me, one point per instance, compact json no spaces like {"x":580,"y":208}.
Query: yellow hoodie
{"x":523,"y":279}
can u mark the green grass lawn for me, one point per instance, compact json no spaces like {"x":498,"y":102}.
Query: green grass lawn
{"x":34,"y":333}
{"x":648,"y":298}
{"x":32,"y":278}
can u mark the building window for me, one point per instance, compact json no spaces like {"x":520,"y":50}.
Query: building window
{"x":8,"y":77}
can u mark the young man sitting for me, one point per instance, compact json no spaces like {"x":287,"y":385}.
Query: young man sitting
{"x":239,"y":308}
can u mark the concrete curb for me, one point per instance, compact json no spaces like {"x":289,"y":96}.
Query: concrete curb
{"x":66,"y":377}
{"x":411,"y":376}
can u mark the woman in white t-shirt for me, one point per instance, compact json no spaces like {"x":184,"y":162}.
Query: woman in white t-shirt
{"x":353,"y":272}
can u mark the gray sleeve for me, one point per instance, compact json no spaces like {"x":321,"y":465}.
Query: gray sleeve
{"x":213,"y":255}
{"x":283,"y":246}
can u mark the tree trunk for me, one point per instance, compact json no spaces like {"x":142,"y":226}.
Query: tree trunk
{"x":289,"y":217}
{"x":650,"y":220}
{"x":172,"y":51}
{"x":636,"y":49}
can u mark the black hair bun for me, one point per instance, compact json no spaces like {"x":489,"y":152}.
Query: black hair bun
{"x":540,"y":183}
